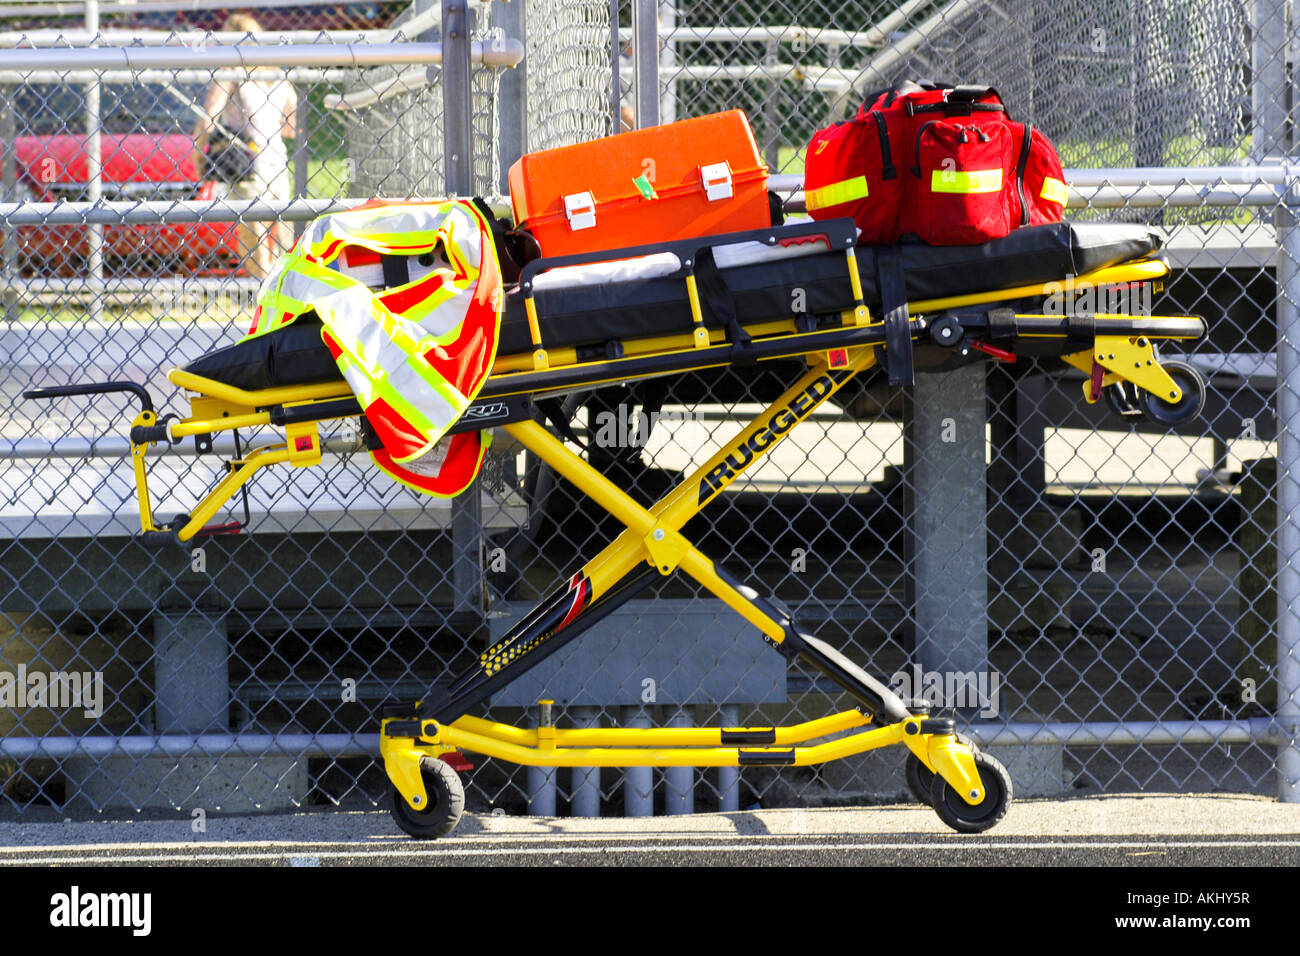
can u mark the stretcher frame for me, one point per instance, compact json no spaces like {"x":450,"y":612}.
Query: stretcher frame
{"x":651,"y":543}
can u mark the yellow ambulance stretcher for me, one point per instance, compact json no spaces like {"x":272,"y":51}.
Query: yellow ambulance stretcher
{"x":803,"y":291}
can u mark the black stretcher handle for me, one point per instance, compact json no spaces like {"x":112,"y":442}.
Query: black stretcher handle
{"x":147,"y":434}
{"x":158,"y":539}
{"x":838,"y":233}
{"x":93,"y":388}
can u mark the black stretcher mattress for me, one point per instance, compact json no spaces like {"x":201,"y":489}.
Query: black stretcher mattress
{"x":595,"y":314}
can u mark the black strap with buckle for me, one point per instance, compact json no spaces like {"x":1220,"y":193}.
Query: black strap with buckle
{"x":898,"y":325}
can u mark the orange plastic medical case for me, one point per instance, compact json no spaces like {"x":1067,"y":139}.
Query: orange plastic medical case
{"x":695,"y":177}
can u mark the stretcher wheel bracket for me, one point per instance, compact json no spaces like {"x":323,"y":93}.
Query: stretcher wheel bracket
{"x":920,"y":778}
{"x":1188,"y":405}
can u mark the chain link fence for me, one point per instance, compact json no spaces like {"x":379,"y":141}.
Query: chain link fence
{"x":1124,"y":632}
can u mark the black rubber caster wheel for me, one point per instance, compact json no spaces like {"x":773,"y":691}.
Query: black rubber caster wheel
{"x":1168,"y":412}
{"x":947,"y":332}
{"x":919,"y":777}
{"x":446,"y":802}
{"x":959,"y":814}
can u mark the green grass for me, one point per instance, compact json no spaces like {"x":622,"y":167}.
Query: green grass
{"x":327,"y":178}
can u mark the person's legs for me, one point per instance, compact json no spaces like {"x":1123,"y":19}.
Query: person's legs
{"x":254,"y":248}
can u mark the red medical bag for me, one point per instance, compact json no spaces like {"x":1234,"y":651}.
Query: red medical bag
{"x":941,"y":164}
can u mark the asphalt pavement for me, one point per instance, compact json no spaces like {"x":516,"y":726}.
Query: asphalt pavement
{"x":1108,"y":830}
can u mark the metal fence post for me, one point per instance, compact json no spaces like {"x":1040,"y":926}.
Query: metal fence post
{"x":512,"y":100}
{"x":9,"y":178}
{"x":302,"y":130}
{"x":645,"y":59}
{"x":94,"y":172}
{"x":615,"y":71}
{"x":457,"y":109}
{"x":1288,"y":494}
{"x":668,"y":64}
{"x":1269,"y":79}
{"x":458,"y":172}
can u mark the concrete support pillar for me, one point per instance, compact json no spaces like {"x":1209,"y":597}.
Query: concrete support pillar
{"x":638,"y":782}
{"x":949,"y":520}
{"x":585,"y":781}
{"x":191,"y":672}
{"x":541,"y":780}
{"x":729,"y":777}
{"x":679,"y":782}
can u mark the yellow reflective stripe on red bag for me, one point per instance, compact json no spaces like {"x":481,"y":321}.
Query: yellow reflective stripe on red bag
{"x":966,"y":181}
{"x":1055,"y":191}
{"x":836,"y":194}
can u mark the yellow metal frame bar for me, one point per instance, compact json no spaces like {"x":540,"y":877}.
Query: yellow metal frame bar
{"x":264,"y":398}
{"x":674,"y":747}
{"x":236,"y":477}
{"x":144,"y":420}
{"x":585,"y":737}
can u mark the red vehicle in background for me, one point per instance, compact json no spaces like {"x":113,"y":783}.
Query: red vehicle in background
{"x":145,"y":148}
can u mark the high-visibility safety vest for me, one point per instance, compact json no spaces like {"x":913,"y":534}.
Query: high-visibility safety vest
{"x":415,"y":354}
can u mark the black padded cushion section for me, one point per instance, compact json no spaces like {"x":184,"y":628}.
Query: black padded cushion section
{"x":293,"y":355}
{"x":592,"y":315}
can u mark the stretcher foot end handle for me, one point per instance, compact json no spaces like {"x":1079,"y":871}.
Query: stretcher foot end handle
{"x":147,"y":434}
{"x":93,"y":388}
{"x":159,"y":539}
